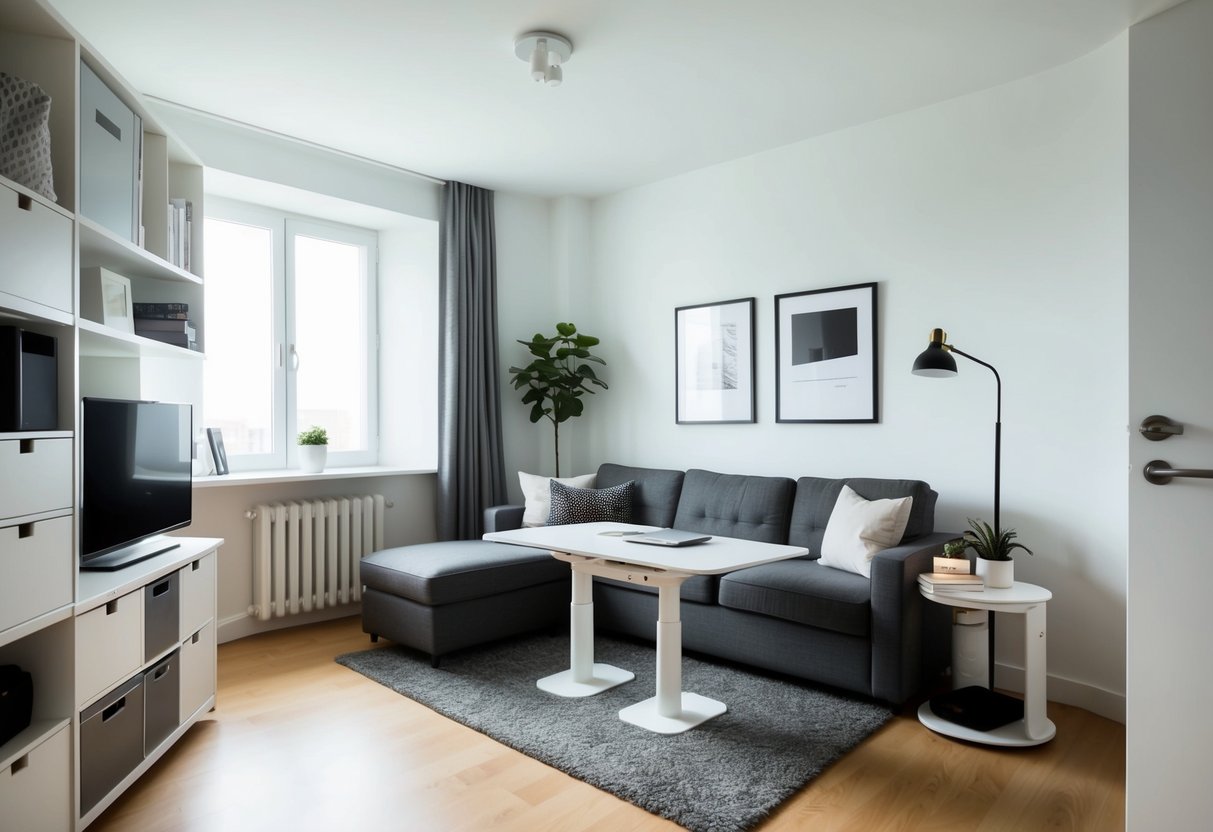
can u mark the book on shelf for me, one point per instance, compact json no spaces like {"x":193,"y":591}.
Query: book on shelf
{"x":177,"y":339}
{"x":163,"y":311}
{"x":181,"y":221}
{"x":163,"y":324}
{"x":931,"y":581}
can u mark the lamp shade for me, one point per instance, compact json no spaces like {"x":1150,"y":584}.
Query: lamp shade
{"x":936,"y":360}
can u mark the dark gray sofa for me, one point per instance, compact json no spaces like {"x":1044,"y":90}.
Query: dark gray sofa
{"x":872,"y":636}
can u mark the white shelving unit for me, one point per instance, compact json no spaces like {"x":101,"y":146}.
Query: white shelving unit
{"x":53,"y":616}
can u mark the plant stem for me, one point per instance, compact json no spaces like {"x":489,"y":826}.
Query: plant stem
{"x":556,"y":432}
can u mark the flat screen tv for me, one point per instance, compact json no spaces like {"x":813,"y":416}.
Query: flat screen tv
{"x":136,"y":474}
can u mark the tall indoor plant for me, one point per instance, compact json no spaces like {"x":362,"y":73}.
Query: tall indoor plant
{"x":559,"y":374}
{"x":993,"y":550}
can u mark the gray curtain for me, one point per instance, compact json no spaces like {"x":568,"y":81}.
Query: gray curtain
{"x":471,"y":466}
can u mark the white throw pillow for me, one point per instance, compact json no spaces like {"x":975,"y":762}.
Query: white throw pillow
{"x":538,"y":495}
{"x":860,"y":528}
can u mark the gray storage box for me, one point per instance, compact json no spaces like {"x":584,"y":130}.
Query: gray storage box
{"x":111,"y":741}
{"x":111,"y":145}
{"x":161,"y":616}
{"x":161,"y":701}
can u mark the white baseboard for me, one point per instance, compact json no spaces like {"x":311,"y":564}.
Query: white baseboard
{"x":1106,"y":703}
{"x":242,"y":625}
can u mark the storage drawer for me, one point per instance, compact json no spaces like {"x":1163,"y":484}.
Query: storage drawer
{"x":197,"y":670}
{"x":197,"y":595}
{"x":36,"y":562}
{"x":161,"y":701}
{"x":35,"y":791}
{"x":111,"y":742}
{"x":109,"y":644}
{"x":111,"y":135}
{"x":161,"y":616}
{"x":35,"y":251}
{"x":35,"y":476}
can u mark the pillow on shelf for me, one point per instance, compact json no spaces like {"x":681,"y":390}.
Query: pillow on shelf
{"x":25,"y":135}
{"x":537,"y":493}
{"x":859,"y":528}
{"x":587,"y":505}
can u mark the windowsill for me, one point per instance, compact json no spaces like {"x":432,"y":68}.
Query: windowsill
{"x":295,"y":475}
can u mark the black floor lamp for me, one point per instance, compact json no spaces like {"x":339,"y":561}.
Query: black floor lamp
{"x":976,"y":707}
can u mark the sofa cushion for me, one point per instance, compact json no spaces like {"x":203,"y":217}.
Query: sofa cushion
{"x":536,"y":492}
{"x":458,"y":570}
{"x":802,"y":591}
{"x":656,"y":491}
{"x":733,"y":505}
{"x":816,"y":496}
{"x":590,"y":505}
{"x":860,"y":528}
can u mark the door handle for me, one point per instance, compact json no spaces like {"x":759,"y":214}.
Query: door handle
{"x":1160,"y":472}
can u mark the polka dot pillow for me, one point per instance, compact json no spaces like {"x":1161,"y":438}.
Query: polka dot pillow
{"x":589,"y":505}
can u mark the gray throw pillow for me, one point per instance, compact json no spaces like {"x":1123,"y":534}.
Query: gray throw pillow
{"x":25,"y":135}
{"x":589,"y":505}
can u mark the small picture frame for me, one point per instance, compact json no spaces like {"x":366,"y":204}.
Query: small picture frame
{"x":214,"y":437}
{"x":825,"y":355}
{"x":714,"y":363}
{"x":105,"y":297}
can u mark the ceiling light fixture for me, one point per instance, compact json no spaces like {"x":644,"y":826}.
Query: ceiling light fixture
{"x":545,"y":52}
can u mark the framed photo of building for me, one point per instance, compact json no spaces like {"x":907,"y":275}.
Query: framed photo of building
{"x":714,"y":360}
{"x":825,"y":355}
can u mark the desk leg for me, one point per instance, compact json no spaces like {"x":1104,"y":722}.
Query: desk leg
{"x":585,"y":677}
{"x":671,"y":711}
{"x":1036,"y":722}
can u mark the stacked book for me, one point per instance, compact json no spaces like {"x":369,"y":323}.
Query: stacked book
{"x":180,"y":229}
{"x":166,"y":322}
{"x":949,"y":582}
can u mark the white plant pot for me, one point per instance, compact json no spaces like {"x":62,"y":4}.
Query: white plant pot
{"x":312,"y":458}
{"x":954,"y":566}
{"x":997,"y":574}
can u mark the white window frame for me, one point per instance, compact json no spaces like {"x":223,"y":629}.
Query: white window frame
{"x":286,"y":360}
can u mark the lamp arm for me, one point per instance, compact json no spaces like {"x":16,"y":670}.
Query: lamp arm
{"x":997,"y":437}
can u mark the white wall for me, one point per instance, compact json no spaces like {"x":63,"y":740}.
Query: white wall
{"x":1169,"y":747}
{"x":1000,"y":216}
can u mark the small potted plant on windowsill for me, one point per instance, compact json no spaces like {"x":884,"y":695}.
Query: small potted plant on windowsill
{"x":993,"y":550}
{"x":313,"y":450}
{"x":953,"y":560}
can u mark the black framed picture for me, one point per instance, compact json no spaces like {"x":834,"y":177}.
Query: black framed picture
{"x":825,"y":355}
{"x":714,"y":363}
{"x":214,"y":436}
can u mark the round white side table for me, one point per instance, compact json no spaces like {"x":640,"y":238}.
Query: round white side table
{"x":1028,"y":601}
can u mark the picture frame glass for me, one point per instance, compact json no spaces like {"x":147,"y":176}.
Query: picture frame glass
{"x":714,"y":357}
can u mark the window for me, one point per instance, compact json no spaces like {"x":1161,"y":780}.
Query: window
{"x":291,"y":335}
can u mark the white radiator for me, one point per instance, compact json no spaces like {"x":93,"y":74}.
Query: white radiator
{"x":306,"y":553}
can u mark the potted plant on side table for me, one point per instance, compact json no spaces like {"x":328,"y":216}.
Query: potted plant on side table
{"x":313,"y":449}
{"x":993,"y":549}
{"x":953,"y":560}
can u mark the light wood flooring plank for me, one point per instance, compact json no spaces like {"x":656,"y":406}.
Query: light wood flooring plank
{"x":299,"y":742}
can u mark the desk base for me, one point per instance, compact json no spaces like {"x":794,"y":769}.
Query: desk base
{"x":1013,"y":735}
{"x":605,"y":677}
{"x":696,"y":710}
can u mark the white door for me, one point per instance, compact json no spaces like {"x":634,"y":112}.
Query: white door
{"x":1170,"y":575}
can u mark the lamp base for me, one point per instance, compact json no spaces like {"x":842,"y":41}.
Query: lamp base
{"x":978,"y":708}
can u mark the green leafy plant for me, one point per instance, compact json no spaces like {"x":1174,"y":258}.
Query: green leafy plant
{"x":558,"y":376}
{"x":314,"y":436}
{"x":992,"y":545}
{"x":955,"y":548}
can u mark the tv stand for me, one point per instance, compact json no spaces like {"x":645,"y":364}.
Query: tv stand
{"x":124,"y":557}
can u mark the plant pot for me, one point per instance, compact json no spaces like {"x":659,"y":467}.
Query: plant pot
{"x":958,"y":566}
{"x":997,"y":574}
{"x":312,"y":458}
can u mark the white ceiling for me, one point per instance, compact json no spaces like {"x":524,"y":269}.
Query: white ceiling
{"x":654,"y":87}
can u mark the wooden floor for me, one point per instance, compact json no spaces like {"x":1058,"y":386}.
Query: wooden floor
{"x":300,"y":743}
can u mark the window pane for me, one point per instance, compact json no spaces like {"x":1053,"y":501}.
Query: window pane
{"x":331,"y":339}
{"x":238,"y":376}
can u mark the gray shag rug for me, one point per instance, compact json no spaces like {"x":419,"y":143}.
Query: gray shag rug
{"x":726,"y":774}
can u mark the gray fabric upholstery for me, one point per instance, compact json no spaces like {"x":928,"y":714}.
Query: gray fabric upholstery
{"x":451,"y":571}
{"x":802,"y":591}
{"x":815,"y":499}
{"x":657,"y":490}
{"x":503,"y":518}
{"x":732,"y":505}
